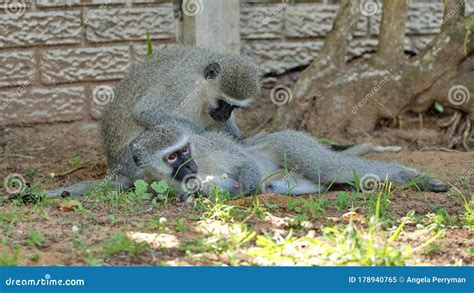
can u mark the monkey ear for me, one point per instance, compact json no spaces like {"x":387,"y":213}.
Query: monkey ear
{"x":212,"y":70}
{"x":137,"y":155}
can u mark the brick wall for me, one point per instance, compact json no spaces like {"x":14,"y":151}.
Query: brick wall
{"x":59,"y":57}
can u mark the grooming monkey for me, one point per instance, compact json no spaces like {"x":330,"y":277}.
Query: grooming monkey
{"x":200,"y":90}
{"x":192,"y":88}
{"x":185,"y":86}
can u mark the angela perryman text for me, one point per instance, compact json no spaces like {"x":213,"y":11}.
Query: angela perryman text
{"x":409,"y":279}
{"x":439,"y":280}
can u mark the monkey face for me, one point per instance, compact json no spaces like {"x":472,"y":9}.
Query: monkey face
{"x":181,"y":163}
{"x":222,"y":112}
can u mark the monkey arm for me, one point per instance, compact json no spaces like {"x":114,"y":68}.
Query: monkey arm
{"x":77,"y":189}
{"x":249,"y":175}
{"x":232,"y":128}
{"x":82,"y":187}
{"x":152,"y":117}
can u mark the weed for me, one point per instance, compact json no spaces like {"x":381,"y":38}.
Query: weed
{"x":120,"y":243}
{"x":9,"y":259}
{"x":339,"y":245}
{"x":342,"y":201}
{"x":180,"y":225}
{"x":35,"y":238}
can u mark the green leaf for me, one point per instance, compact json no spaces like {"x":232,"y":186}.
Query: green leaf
{"x":149,"y":46}
{"x":76,"y":161}
{"x":35,"y":238}
{"x":470,"y":250}
{"x":439,"y":107}
{"x":147,"y":196}
{"x":160,"y":187}
{"x":325,"y":140}
{"x":140,"y":187}
{"x":301,"y":218}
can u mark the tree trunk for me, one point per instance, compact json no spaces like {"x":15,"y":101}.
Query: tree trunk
{"x":336,"y":98}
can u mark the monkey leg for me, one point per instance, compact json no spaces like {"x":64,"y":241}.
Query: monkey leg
{"x":293,"y":185}
{"x":82,"y":187}
{"x":359,"y":150}
{"x":303,"y":154}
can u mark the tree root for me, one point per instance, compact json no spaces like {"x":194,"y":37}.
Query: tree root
{"x":459,"y":133}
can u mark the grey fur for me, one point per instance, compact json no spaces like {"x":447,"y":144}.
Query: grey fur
{"x":293,"y":150}
{"x":289,"y":162}
{"x":170,"y":87}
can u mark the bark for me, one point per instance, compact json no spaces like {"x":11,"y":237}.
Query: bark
{"x":334,"y":97}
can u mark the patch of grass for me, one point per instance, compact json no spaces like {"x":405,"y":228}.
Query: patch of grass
{"x":77,"y":160}
{"x":92,"y":261}
{"x":342,"y":201}
{"x":35,"y":238}
{"x":9,"y":259}
{"x":312,"y":207}
{"x":339,"y":245}
{"x":196,"y":245}
{"x":180,"y":225}
{"x":32,"y":173}
{"x":443,"y":218}
{"x":120,"y":243}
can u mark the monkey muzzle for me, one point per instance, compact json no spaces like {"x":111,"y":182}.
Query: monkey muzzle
{"x":222,"y":112}
{"x":189,"y":168}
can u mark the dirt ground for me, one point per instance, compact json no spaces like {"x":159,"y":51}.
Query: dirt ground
{"x":58,"y":155}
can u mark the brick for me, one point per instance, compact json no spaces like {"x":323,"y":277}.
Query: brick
{"x":68,"y":3}
{"x":261,"y":22}
{"x":358,"y":47}
{"x":278,"y":57}
{"x":37,"y":105}
{"x":112,"y":2}
{"x":469,"y":7}
{"x":83,"y":64}
{"x":140,"y":51}
{"x":17,"y":67}
{"x":15,"y":7}
{"x":57,"y":3}
{"x":423,"y":18}
{"x":105,"y":25}
{"x":417,"y":43}
{"x":35,"y":28}
{"x":100,"y":96}
{"x":315,"y":20}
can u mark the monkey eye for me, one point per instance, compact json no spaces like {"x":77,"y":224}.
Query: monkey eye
{"x":211,"y":71}
{"x":185,"y":149}
{"x":171,"y":158}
